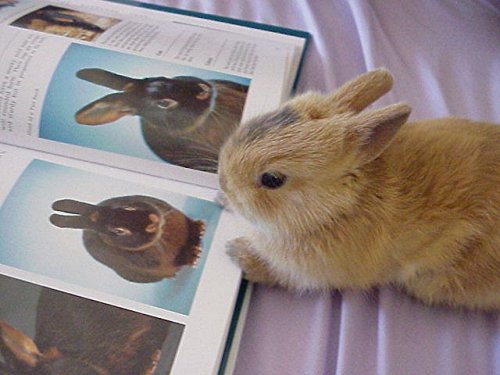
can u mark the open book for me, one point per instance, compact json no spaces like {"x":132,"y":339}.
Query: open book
{"x":111,"y":244}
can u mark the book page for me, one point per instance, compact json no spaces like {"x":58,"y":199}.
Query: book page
{"x":150,"y":91}
{"x":149,"y":249}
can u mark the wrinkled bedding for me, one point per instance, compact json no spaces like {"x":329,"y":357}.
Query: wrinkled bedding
{"x":445,"y":56}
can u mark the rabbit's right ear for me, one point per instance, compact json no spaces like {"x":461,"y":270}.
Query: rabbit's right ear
{"x":104,"y":78}
{"x":105,"y":110}
{"x":17,"y":348}
{"x":371,"y":132}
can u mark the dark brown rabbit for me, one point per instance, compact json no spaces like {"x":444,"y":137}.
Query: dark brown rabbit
{"x":83,"y":337}
{"x":184,"y":120}
{"x":141,"y":238}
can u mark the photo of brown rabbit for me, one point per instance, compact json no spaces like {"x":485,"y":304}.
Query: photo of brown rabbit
{"x":66,"y":22}
{"x":74,"y":335}
{"x":184,"y":120}
{"x":342,"y":198}
{"x":143,"y":239}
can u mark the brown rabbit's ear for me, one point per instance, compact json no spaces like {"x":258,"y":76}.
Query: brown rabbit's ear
{"x":358,"y":93}
{"x":105,"y":110}
{"x":104,"y":78}
{"x":373,"y":131}
{"x":17,"y":348}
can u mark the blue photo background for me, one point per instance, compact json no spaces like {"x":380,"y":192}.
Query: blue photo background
{"x":67,"y":94}
{"x":28,"y":241}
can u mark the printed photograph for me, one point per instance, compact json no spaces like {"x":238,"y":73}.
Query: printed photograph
{"x":8,"y":3}
{"x":144,"y":244}
{"x":141,"y":107}
{"x":66,"y":22}
{"x":45,"y":331}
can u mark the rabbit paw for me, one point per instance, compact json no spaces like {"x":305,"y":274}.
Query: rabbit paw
{"x":221,"y":200}
{"x":254,"y":268}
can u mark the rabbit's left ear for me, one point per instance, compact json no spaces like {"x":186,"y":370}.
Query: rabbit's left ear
{"x":105,"y":110}
{"x":370,"y":133}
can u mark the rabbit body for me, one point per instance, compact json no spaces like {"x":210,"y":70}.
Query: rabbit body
{"x":79,"y":336}
{"x":345,"y":198}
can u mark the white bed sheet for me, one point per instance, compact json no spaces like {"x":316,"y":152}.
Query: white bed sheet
{"x":445,"y":56}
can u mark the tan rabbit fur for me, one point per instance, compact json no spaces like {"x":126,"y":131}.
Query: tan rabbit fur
{"x":345,"y":198}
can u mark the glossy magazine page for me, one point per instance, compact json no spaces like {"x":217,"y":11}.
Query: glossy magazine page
{"x":141,"y":89}
{"x":134,"y":243}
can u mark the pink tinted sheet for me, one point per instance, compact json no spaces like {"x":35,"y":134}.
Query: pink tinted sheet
{"x":445,"y":56}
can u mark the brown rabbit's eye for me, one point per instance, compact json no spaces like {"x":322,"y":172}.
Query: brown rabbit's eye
{"x":120,"y":231}
{"x":272,"y":180}
{"x":166,"y":103}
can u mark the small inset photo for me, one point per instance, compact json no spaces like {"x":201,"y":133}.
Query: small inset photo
{"x":8,"y":3}
{"x":65,"y":22}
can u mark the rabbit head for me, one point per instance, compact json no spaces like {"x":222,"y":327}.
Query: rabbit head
{"x":129,"y":225}
{"x":297,"y":167}
{"x":159,"y":100}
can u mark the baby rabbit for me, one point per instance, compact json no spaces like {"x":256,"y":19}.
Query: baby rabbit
{"x":342,"y":198}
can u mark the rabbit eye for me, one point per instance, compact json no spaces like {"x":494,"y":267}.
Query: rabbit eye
{"x":120,"y":231}
{"x":166,"y":103}
{"x":272,"y":180}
